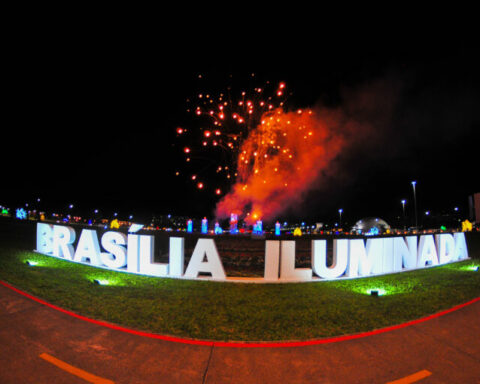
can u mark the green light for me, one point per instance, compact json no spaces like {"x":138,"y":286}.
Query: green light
{"x":101,"y":282}
{"x":473,"y":268}
{"x":31,"y":263}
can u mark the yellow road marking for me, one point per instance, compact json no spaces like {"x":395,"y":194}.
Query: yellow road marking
{"x":74,"y":370}
{"x":412,"y":378}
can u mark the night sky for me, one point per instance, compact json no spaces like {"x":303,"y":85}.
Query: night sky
{"x":92,"y":122}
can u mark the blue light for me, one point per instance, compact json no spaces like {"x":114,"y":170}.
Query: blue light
{"x":277,"y":229}
{"x":218,"y":230}
{"x":189,"y":226}
{"x":373,"y":232}
{"x":21,"y":214}
{"x":204,"y":225}
{"x":233,"y":224}
{"x":258,"y":228}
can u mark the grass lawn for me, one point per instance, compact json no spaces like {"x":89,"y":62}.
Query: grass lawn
{"x":230,"y":311}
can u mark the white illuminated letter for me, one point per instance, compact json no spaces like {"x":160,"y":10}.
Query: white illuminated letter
{"x":44,"y":238}
{"x":132,"y":253}
{"x":116,"y":255}
{"x":146,"y":253}
{"x":176,"y":256}
{"x":63,"y":238}
{"x":404,"y":253}
{"x":319,"y":258}
{"x":388,"y":255}
{"x":427,"y":253}
{"x":446,"y":247}
{"x":88,"y":248}
{"x":365,"y":260}
{"x":205,"y":248}
{"x":461,"y":251}
{"x":272,"y":259}
{"x":287,"y":264}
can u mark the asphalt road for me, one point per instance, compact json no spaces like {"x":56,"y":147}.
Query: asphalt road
{"x":42,"y":345}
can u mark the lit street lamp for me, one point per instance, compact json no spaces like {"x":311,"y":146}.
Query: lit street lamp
{"x":415,"y":203}
{"x":403,"y":207}
{"x":340,"y":214}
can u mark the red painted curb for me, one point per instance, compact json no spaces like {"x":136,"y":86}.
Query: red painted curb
{"x":239,"y":344}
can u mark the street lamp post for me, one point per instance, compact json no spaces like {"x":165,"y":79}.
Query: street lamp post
{"x":340,"y":214}
{"x":414,"y":183}
{"x":403,"y":207}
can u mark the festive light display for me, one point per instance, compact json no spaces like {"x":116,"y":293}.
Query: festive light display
{"x":277,"y":229}
{"x":233,"y":224}
{"x":189,"y":226}
{"x":258,"y":228}
{"x":204,"y":225}
{"x":21,"y":214}
{"x":218,"y":230}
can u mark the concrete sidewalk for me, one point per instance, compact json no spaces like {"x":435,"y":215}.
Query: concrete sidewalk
{"x":441,"y":350}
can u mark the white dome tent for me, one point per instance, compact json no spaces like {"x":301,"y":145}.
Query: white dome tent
{"x":371,"y":226}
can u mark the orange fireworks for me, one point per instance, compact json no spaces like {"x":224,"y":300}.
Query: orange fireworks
{"x":277,"y":163}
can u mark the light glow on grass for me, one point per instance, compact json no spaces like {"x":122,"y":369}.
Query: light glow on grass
{"x":469,"y":268}
{"x":101,"y":282}
{"x":31,"y":263}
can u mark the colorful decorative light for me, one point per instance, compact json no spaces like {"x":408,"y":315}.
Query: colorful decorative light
{"x":258,"y":228}
{"x":277,"y":229}
{"x":218,"y":230}
{"x":21,"y":214}
{"x":233,"y":223}
{"x":189,"y":226}
{"x":204,"y":225}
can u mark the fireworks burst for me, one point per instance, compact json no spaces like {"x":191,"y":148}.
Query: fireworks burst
{"x":264,"y":156}
{"x":225,"y":119}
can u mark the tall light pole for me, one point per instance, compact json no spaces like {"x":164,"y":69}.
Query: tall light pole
{"x":414,"y":183}
{"x":403,"y":207}
{"x":340,"y":214}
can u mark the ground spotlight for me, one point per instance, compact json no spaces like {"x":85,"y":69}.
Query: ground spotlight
{"x":100,"y":282}
{"x":31,"y":263}
{"x":375,"y":292}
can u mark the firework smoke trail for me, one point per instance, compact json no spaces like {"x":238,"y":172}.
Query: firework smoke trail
{"x":278,"y":162}
{"x":280,"y":155}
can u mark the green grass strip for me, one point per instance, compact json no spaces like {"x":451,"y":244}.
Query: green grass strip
{"x":241,"y":312}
